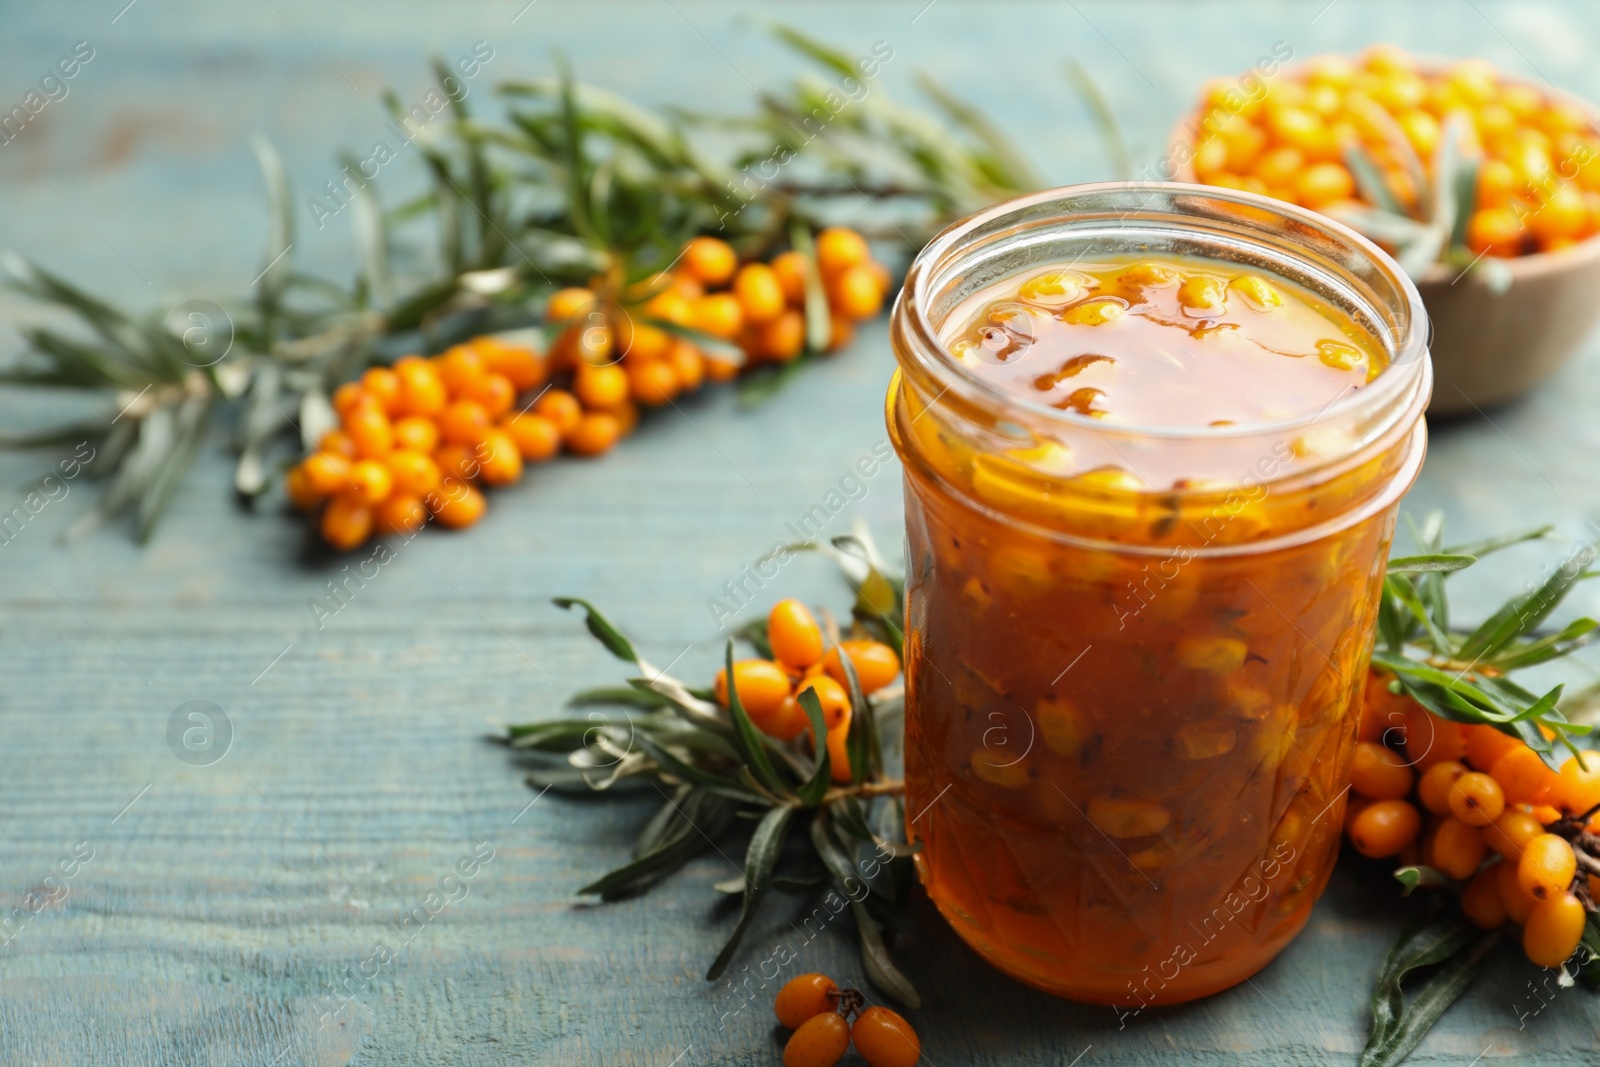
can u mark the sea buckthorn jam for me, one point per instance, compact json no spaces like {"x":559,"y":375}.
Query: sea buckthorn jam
{"x":1155,"y":439}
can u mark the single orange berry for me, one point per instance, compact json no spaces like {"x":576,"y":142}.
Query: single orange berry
{"x":688,"y":364}
{"x":708,"y":260}
{"x":1519,"y":905}
{"x":337,"y":443}
{"x":346,"y":522}
{"x":421,"y":390}
{"x":369,"y":428}
{"x":1578,"y":788}
{"x":594,"y":434}
{"x":782,"y":338}
{"x":494,"y":391}
{"x":561,"y":408}
{"x":1457,"y":848}
{"x":536,"y":437}
{"x":1485,"y":746}
{"x":1547,"y":867}
{"x":794,"y":635}
{"x":840,"y":331}
{"x":820,"y":1041}
{"x":1510,"y":833}
{"x":297,"y":485}
{"x":718,"y":314}
{"x":641,"y":342}
{"x":464,"y":422}
{"x":839,"y":753}
{"x":884,"y":1039}
{"x":721,"y":370}
{"x":833,"y":698}
{"x":417,"y":433}
{"x":876,"y":664}
{"x":856,"y":292}
{"x":402,"y":513}
{"x":1523,"y":776}
{"x":499,"y":458}
{"x":1554,"y":929}
{"x":1384,"y":827}
{"x":459,"y":462}
{"x":326,"y":473}
{"x":459,"y":368}
{"x":1428,"y":738}
{"x":788,"y":722}
{"x":520,"y":366}
{"x":840,"y":248}
{"x":347,"y":397}
{"x":759,"y":293}
{"x":456,"y":504}
{"x":803,"y":997}
{"x":1434,"y":788}
{"x":1476,"y":799}
{"x":415,"y":473}
{"x":383,"y":385}
{"x":1496,"y":231}
{"x":790,"y":267}
{"x":1481,"y":902}
{"x":1379,"y":773}
{"x":761,"y":684}
{"x":568,"y":304}
{"x":600,"y":387}
{"x":370,"y":481}
{"x":653,"y":383}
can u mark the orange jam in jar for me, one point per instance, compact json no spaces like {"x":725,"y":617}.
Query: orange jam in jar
{"x":1155,"y":438}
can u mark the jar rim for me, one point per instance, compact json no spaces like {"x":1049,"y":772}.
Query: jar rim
{"x":1407,"y":356}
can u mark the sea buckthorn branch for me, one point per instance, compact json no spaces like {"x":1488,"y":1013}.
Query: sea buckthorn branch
{"x":788,"y":741}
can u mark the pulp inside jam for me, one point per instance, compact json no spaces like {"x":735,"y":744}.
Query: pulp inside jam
{"x":1129,"y":708}
{"x":1177,"y":342}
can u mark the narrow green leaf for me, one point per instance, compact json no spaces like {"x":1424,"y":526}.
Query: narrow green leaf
{"x":1494,"y":544}
{"x":1430,"y":1002}
{"x":1417,"y":876}
{"x":687,"y":772}
{"x":876,"y":962}
{"x":866,"y":756}
{"x":1372,"y":185}
{"x":760,"y":859}
{"x":1573,"y":636}
{"x":1522,"y":613}
{"x":1437,"y":562}
{"x":748,"y":738}
{"x":607,"y":634}
{"x":812,"y":792}
{"x":626,"y":696}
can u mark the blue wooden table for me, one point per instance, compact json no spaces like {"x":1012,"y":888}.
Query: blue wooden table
{"x":253,"y":910}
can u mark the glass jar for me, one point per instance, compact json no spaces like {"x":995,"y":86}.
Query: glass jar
{"x":1131,"y":702}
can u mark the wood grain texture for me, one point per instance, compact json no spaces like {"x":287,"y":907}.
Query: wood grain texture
{"x":219,"y":909}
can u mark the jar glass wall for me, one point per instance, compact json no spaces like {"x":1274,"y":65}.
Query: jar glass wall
{"x":1131,"y":700}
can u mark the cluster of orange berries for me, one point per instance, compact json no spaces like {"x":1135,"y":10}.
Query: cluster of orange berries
{"x":1539,"y":170}
{"x":818,"y":1011}
{"x":1488,"y":804}
{"x":420,"y":438}
{"x":757,"y":306}
{"x":769,"y":689}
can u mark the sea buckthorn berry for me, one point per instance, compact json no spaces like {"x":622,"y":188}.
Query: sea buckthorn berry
{"x":1434,"y":788}
{"x":688,"y":364}
{"x":536,"y":437}
{"x":671,"y":306}
{"x":1481,"y":902}
{"x":804,"y":996}
{"x":1326,"y":183}
{"x":761,"y":684}
{"x":1496,"y":231}
{"x":838,"y":753}
{"x":415,"y":473}
{"x":1257,"y":292}
{"x":402,"y":513}
{"x":383,"y":385}
{"x":561,"y":408}
{"x":459,"y":367}
{"x":1457,"y":848}
{"x":1578,"y":788}
{"x":370,"y":481}
{"x":369,"y":428}
{"x":1203,"y":293}
{"x":1476,"y":799}
{"x":1004,"y":766}
{"x":1486,"y":745}
{"x":840,"y":331}
{"x":1149,"y":276}
{"x":456,"y":504}
{"x":642,"y":342}
{"x":1384,"y":827}
{"x":499,"y":458}
{"x":759,"y":293}
{"x":1428,"y":738}
{"x":1564,"y":215}
{"x":298,"y":487}
{"x":1510,"y":833}
{"x":1523,"y":776}
{"x":1214,"y":655}
{"x":840,"y":248}
{"x":568,"y":304}
{"x":884,"y":1039}
{"x":417,"y":433}
{"x":1066,"y":730}
{"x":708,"y":260}
{"x":1553,"y":930}
{"x":1546,"y":867}
{"x":718,"y":314}
{"x":346,"y":522}
{"x":347,"y":396}
{"x":783,"y":338}
{"x":1057,"y":288}
{"x":719,"y":369}
{"x":464,"y":422}
{"x":326,"y":473}
{"x":1096,"y":311}
{"x":459,"y":462}
{"x":876,"y":664}
{"x":1204,"y":739}
{"x":337,"y":443}
{"x":1519,"y":905}
{"x":790,"y":267}
{"x":520,"y":366}
{"x":1340,"y":355}
{"x":1353,"y":807}
{"x":857,"y":292}
{"x":794,"y":635}
{"x":601,"y":387}
{"x":594,"y":434}
{"x":1128,"y":816}
{"x":820,"y":1041}
{"x":1378,"y":773}
{"x":494,"y":391}
{"x":422,"y":392}
{"x":788,"y":722}
{"x":833,"y":698}
{"x":594,"y":344}
{"x":653,"y":383}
